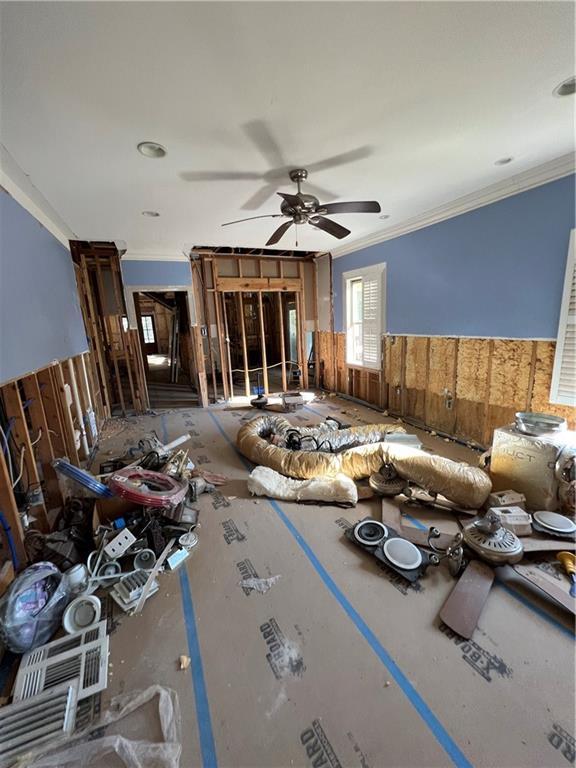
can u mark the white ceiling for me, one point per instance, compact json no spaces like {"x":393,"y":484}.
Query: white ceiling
{"x":425,"y":97}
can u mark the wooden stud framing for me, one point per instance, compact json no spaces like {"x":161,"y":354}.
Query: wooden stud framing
{"x":263,"y":344}
{"x":15,"y":411}
{"x":244,"y":344}
{"x":10,"y":511}
{"x":253,"y":284}
{"x":301,"y":308}
{"x":315,"y":322}
{"x":44,"y":449}
{"x":227,"y":340}
{"x":282,"y":341}
{"x":219,"y":330}
{"x":207,"y":320}
{"x":65,"y":414}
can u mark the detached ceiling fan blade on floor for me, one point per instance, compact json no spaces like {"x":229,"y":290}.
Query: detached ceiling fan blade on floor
{"x":366,"y":206}
{"x":329,"y":226}
{"x":250,"y":218}
{"x":279,"y":233}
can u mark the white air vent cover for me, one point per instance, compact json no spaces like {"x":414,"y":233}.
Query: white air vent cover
{"x":27,"y":724}
{"x":83,"y":655}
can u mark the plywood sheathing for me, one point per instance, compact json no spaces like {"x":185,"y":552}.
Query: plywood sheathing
{"x":508,"y":384}
{"x":471,"y":388}
{"x":415,"y":377}
{"x":543,"y":365}
{"x":441,"y":396}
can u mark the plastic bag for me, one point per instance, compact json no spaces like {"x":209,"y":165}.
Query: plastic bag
{"x":32,"y":608}
{"x":117,"y":749}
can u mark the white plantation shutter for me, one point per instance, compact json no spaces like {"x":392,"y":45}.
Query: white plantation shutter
{"x":563,"y":390}
{"x":371,"y":314}
{"x":364,"y":347}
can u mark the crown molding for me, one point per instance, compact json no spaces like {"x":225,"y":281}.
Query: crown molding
{"x":20,"y":187}
{"x":533,"y":177}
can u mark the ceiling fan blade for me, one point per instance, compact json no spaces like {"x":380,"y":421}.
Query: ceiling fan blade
{"x":292,"y":200}
{"x":346,"y":157}
{"x":220,"y":175}
{"x":265,"y":216}
{"x":260,"y":135}
{"x":259,"y":197}
{"x":329,"y":226}
{"x":279,"y":233}
{"x":366,"y":206}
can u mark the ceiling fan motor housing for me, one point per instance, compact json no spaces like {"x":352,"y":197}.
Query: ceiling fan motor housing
{"x":494,"y":543}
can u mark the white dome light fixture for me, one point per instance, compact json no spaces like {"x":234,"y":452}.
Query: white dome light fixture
{"x":151,"y":149}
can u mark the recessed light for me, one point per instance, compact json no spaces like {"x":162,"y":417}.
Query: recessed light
{"x":504,"y":161}
{"x":385,"y":216}
{"x":566,"y":88}
{"x":151,"y":214}
{"x":151,"y":149}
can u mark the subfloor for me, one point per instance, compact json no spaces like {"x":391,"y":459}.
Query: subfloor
{"x":339,"y":663}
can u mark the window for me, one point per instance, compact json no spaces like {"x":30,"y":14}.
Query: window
{"x":148,"y":329}
{"x":363,"y":289}
{"x":563,"y":390}
{"x":125,"y":322}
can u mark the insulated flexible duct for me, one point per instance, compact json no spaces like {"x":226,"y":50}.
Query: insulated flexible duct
{"x":464,"y":485}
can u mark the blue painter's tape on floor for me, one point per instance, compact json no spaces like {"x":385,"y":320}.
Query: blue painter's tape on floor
{"x":207,"y":746}
{"x":442,"y":736}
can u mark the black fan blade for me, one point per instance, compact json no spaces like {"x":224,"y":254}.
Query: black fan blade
{"x":329,"y":226}
{"x":282,"y":229}
{"x":292,"y":200}
{"x":366,"y":206}
{"x":265,"y":216}
{"x":220,"y":176}
{"x":346,"y":157}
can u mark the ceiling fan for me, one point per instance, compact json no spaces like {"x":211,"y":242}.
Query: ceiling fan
{"x":307,"y":209}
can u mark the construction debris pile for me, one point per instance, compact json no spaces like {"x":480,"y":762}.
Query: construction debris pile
{"x":492,"y":531}
{"x":116,"y":534}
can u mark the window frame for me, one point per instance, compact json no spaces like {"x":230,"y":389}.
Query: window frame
{"x":566,"y":318}
{"x":375,"y":272}
{"x":152,"y":328}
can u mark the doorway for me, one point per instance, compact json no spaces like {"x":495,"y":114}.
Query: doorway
{"x":164,"y":330}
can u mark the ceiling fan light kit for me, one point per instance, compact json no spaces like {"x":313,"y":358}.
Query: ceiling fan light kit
{"x":301,"y":209}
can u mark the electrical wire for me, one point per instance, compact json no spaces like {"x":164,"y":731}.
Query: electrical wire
{"x":7,"y":452}
{"x":22,"y":452}
{"x":38,"y":438}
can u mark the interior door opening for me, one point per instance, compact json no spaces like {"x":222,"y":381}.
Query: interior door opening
{"x":164,"y":330}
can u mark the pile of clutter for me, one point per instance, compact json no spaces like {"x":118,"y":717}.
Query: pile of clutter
{"x":116,"y":533}
{"x":501,"y":533}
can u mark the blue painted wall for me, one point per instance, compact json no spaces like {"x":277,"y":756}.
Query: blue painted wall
{"x":40,"y":317}
{"x":156,"y":273}
{"x":494,"y":271}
